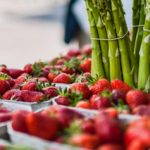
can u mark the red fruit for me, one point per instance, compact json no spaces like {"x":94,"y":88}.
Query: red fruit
{"x":4,"y":86}
{"x":63,"y":100}
{"x":63,"y":78}
{"x":138,"y":130}
{"x":4,"y":110}
{"x":148,"y":97}
{"x":32,"y":96}
{"x":84,"y":104}
{"x":5,"y":117}
{"x":85,"y":140}
{"x":30,"y":86}
{"x":19,"y":121}
{"x":118,"y":84}
{"x":137,"y":145}
{"x":42,"y":126}
{"x":50,"y":91}
{"x":28,"y":68}
{"x":66,"y":116}
{"x":60,"y":61}
{"x":15,"y":73}
{"x":98,"y":102}
{"x":88,"y":126}
{"x":73,"y":53}
{"x":86,"y":65}
{"x":111,"y":147}
{"x":135,"y":98}
{"x":112,"y":112}
{"x":2,"y":147}
{"x":51,"y":76}
{"x":22,"y":78}
{"x":43,"y":79}
{"x":87,"y":50}
{"x":81,"y":88}
{"x":142,"y":110}
{"x":4,"y":69}
{"x":100,"y":86}
{"x":12,"y":94}
{"x":68,"y":70}
{"x":108,"y":129}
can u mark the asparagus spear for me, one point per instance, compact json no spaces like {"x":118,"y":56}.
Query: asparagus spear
{"x":97,"y":65}
{"x":102,"y":35}
{"x":114,"y":55}
{"x":144,"y":66}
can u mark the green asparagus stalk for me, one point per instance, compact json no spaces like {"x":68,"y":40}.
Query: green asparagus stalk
{"x":102,"y":35}
{"x":144,"y":65}
{"x":114,"y":55}
{"x":97,"y":65}
{"x":125,"y":61}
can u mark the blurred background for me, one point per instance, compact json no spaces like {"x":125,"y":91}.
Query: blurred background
{"x":32,"y":30}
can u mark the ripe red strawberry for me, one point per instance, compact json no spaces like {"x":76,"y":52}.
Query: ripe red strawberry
{"x":73,"y":53}
{"x":28,"y":68}
{"x":5,"y":117}
{"x":12,"y":94}
{"x":108,"y":129}
{"x":81,"y":88}
{"x":99,"y":102}
{"x":111,"y":147}
{"x":51,"y":76}
{"x":15,"y":73}
{"x":63,"y":78}
{"x":118,"y":84}
{"x":68,"y":70}
{"x":135,"y":98}
{"x":63,"y":100}
{"x":84,"y":104}
{"x":50,"y":91}
{"x":85,"y":140}
{"x":4,"y":69}
{"x":142,"y":110}
{"x":30,"y":86}
{"x":43,"y":79}
{"x":42,"y":126}
{"x":4,"y":86}
{"x":112,"y":112}
{"x":86,"y":65}
{"x":100,"y":86}
{"x":32,"y":96}
{"x":86,"y":50}
{"x":19,"y":121}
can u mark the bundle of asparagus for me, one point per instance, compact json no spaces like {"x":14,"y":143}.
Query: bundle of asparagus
{"x":114,"y":55}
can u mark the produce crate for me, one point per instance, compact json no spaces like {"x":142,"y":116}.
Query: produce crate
{"x":35,"y":142}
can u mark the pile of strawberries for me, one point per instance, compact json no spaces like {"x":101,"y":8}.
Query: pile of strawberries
{"x":66,"y":126}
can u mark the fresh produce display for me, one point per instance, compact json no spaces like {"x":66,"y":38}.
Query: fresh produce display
{"x":66,"y":126}
{"x":114,"y":55}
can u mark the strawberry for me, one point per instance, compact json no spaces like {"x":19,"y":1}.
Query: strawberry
{"x":2,"y":147}
{"x":112,"y":112}
{"x":42,"y":126}
{"x":15,"y":73}
{"x":86,"y":50}
{"x":111,"y":147}
{"x":43,"y":79}
{"x":108,"y":129}
{"x":81,"y":88}
{"x":135,"y":98}
{"x":100,"y":86}
{"x":98,"y":102}
{"x":84,"y":104}
{"x":73,"y":53}
{"x":30,"y":86}
{"x":28,"y":68}
{"x":51,"y":76}
{"x":63,"y":78}
{"x":19,"y":121}
{"x":12,"y":94}
{"x":5,"y":117}
{"x":85,"y":140}
{"x":86,"y":65}
{"x":63,"y":100}
{"x":32,"y":96}
{"x":137,"y":145}
{"x":142,"y":110}
{"x":118,"y":84}
{"x":4,"y":84}
{"x":50,"y":91}
{"x":3,"y":69}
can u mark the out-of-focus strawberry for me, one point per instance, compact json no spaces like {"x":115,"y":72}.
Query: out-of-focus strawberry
{"x":42,"y":126}
{"x":112,"y":112}
{"x":86,"y":65}
{"x":85,"y":140}
{"x":22,"y":78}
{"x":142,"y":110}
{"x":14,"y":94}
{"x":30,"y":86}
{"x":118,"y":84}
{"x":19,"y":121}
{"x":83,"y":104}
{"x":111,"y":147}
{"x":81,"y":88}
{"x":51,"y":76}
{"x":135,"y":98}
{"x":5,"y":117}
{"x":86,"y":50}
{"x":137,"y":145}
{"x":50,"y":91}
{"x":15,"y":73}
{"x":108,"y":129}
{"x":99,"y":102}
{"x":63,"y":100}
{"x":32,"y":96}
{"x":100,"y":86}
{"x":73,"y":52}
{"x":63,"y":78}
{"x":28,"y":68}
{"x":4,"y":69}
